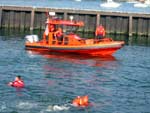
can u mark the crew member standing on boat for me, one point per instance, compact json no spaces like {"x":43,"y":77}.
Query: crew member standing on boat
{"x":51,"y":28}
{"x":59,"y":35}
{"x":100,"y":32}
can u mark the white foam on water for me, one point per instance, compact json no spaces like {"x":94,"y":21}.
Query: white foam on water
{"x":3,"y":107}
{"x":51,"y":108}
{"x":26,"y":105}
{"x":31,"y":54}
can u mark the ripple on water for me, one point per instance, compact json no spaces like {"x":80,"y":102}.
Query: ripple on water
{"x":119,"y":84}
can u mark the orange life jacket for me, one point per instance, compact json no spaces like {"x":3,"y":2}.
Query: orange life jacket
{"x":18,"y":83}
{"x":100,"y":31}
{"x":58,"y":33}
{"x":81,"y":101}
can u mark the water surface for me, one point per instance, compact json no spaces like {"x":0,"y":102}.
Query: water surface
{"x":117,"y":84}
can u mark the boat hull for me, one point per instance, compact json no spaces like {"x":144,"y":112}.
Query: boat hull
{"x":95,"y":49}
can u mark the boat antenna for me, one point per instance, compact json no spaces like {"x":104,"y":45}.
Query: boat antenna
{"x":71,"y":17}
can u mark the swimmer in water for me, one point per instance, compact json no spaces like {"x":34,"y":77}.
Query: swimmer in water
{"x":81,"y":101}
{"x":18,"y":82}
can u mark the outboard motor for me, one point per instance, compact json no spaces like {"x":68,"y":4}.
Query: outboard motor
{"x":31,"y":38}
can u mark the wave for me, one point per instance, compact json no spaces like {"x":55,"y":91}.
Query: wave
{"x":51,"y":108}
{"x":3,"y":107}
{"x":26,"y":105}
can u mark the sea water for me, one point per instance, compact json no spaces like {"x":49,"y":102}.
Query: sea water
{"x":116,"y":84}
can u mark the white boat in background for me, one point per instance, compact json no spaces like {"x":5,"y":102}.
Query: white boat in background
{"x":142,"y":5}
{"x":78,"y":0}
{"x":110,"y":4}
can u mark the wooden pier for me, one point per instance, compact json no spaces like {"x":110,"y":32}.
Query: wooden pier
{"x":114,"y":22}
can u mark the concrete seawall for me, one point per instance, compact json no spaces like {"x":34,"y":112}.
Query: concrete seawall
{"x":114,"y":22}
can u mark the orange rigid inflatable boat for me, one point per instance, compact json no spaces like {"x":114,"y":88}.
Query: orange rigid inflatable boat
{"x":70,"y":42}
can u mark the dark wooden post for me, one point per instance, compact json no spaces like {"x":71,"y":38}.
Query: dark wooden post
{"x":1,"y":17}
{"x":118,"y":26}
{"x":22,"y":20}
{"x":130,"y":25}
{"x":140,"y":22}
{"x":17,"y":19}
{"x":108,"y":23}
{"x":32,"y":19}
{"x":43,"y":20}
{"x":149,"y":27}
{"x":11,"y":19}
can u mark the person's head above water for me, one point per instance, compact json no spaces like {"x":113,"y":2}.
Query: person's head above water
{"x":18,"y":77}
{"x":18,"y":82}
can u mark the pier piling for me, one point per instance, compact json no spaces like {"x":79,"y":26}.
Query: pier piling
{"x":0,"y":17}
{"x":114,"y":22}
{"x":149,"y":27}
{"x":22,"y":20}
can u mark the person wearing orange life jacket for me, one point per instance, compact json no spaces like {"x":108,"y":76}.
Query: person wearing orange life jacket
{"x":59,"y":34}
{"x":18,"y":82}
{"x":51,"y":28}
{"x":76,"y":101}
{"x":100,"y":32}
{"x":85,"y":100}
{"x":81,"y":101}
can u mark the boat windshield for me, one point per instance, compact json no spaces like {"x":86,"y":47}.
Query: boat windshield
{"x":68,"y":29}
{"x":68,"y":26}
{"x":72,"y":29}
